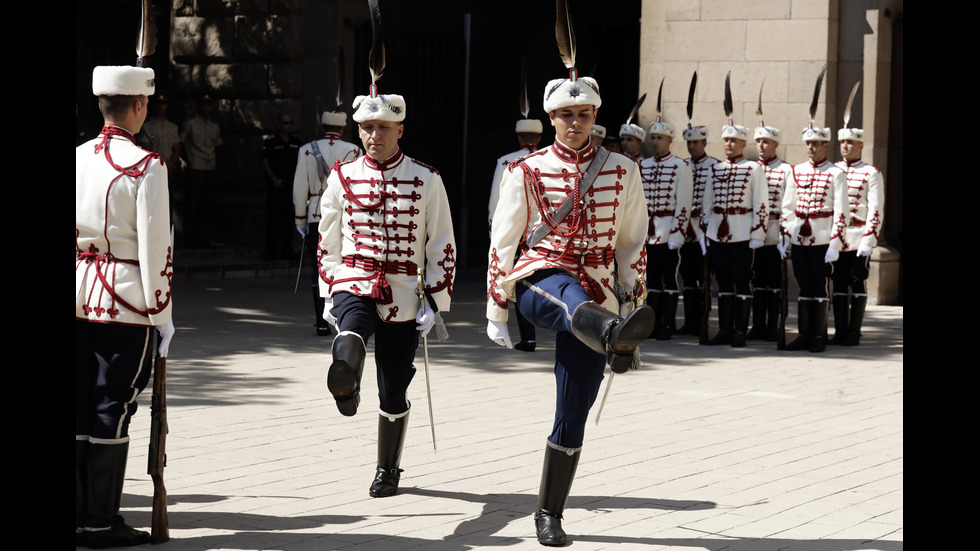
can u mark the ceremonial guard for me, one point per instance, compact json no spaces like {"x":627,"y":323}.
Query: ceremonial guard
{"x":385,"y":234}
{"x":529,"y":136}
{"x":736,"y":209}
{"x":766,"y":263}
{"x":692,"y":253}
{"x":866,"y":199}
{"x":123,"y":272}
{"x":814,"y":217}
{"x":631,"y":138}
{"x":668,"y":188}
{"x":312,"y":166}
{"x":577,"y":227}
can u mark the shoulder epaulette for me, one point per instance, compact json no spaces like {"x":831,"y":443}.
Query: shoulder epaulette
{"x":433,"y":169}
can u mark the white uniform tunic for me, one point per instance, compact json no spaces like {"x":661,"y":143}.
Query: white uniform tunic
{"x":498,"y":175}
{"x":777,"y":171}
{"x":383,"y":222}
{"x":123,"y":254}
{"x":668,"y":187}
{"x":815,"y":205}
{"x":866,"y":202}
{"x":605,"y":232}
{"x":700,"y":173}
{"x":310,"y":179}
{"x":736,"y":201}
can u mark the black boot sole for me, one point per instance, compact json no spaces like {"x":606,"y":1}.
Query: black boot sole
{"x":343,"y":385}
{"x":629,"y":334}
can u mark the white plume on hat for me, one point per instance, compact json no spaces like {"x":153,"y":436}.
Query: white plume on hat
{"x":563,"y":92}
{"x":856,"y":134}
{"x":383,"y":107}
{"x":598,"y":131}
{"x":123,"y":80}
{"x":660,"y":128}
{"x":816,"y":134}
{"x":533,"y":126}
{"x":696,"y":133}
{"x":333,"y":118}
{"x":768,"y":132}
{"x":735,"y":131}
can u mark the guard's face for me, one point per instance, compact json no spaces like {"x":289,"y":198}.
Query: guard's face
{"x":766,"y":147}
{"x":816,"y":150}
{"x":573,"y":124}
{"x":661,"y":144}
{"x":696,"y":148}
{"x":851,"y":149}
{"x":630,"y":145}
{"x":734,"y":147}
{"x":380,"y":138}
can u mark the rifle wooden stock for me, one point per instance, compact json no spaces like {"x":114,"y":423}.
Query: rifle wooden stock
{"x":783,"y":307}
{"x":160,"y":527}
{"x":706,"y":307}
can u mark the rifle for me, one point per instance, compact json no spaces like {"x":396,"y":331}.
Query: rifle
{"x":784,"y":306}
{"x":160,"y":527}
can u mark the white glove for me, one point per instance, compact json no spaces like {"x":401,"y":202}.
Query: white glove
{"x":673,"y":246}
{"x":783,"y":248}
{"x":302,"y":230}
{"x":166,"y":335}
{"x":865,"y":250}
{"x":327,"y":307}
{"x":832,"y":255}
{"x":498,"y":333}
{"x":426,"y":318}
{"x":704,"y":245}
{"x":756,"y":243}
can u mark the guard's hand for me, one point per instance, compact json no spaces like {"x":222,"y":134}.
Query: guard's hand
{"x":831,"y":256}
{"x":166,"y":335}
{"x":783,"y":248}
{"x":673,"y":246}
{"x":426,"y":318}
{"x":756,"y":243}
{"x":498,"y":333}
{"x":327,"y":307}
{"x":302,"y":230}
{"x":704,"y":245}
{"x":865,"y":250}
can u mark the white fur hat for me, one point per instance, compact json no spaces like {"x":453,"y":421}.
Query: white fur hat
{"x":696,"y":133}
{"x":769,"y":132}
{"x":123,"y":81}
{"x":333,"y":118}
{"x":632,"y":130}
{"x":533,"y":126}
{"x":383,"y":107}
{"x":816,"y":134}
{"x":598,"y":131}
{"x":736,"y":131}
{"x":563,"y":92}
{"x":659,"y":128}
{"x":856,"y":134}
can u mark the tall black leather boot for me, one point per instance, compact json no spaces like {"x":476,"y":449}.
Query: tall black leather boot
{"x":344,"y":376}
{"x":655,"y":301}
{"x":528,"y":333}
{"x":818,"y":321}
{"x":774,"y":307}
{"x":726,"y":320}
{"x":556,"y":483}
{"x":803,"y":309}
{"x":668,"y":315}
{"x":81,"y":488}
{"x":743,"y":309}
{"x":759,"y":311}
{"x":104,"y":527}
{"x":859,"y":304}
{"x":391,"y":441}
{"x":692,"y":312}
{"x":615,"y":336}
{"x":322,"y":326}
{"x":840,"y":304}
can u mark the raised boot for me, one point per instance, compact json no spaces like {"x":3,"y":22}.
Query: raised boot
{"x":556,"y":483}
{"x":859,"y":304}
{"x":726,"y":320}
{"x":758,"y":331}
{"x":818,"y":326}
{"x":803,"y":309}
{"x":615,"y":336}
{"x":840,"y":304}
{"x":668,"y":315}
{"x":743,"y":309}
{"x":344,"y":376}
{"x":391,"y":440}
{"x":104,"y":527}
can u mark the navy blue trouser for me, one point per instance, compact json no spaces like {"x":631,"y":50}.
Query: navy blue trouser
{"x":547,"y":299}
